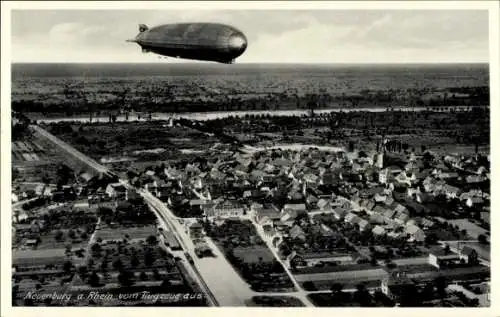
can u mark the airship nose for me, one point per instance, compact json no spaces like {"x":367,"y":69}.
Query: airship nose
{"x":237,"y":43}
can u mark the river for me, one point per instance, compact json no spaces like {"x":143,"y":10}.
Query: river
{"x":203,"y":116}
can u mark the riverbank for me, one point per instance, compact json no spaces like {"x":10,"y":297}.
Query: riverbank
{"x":204,"y":116}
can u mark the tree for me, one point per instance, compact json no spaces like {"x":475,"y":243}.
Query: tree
{"x":96,"y":248}
{"x":104,"y":212}
{"x":166,"y":283}
{"x":447,"y":249}
{"x":309,"y":286}
{"x":431,"y":238}
{"x":67,"y":266}
{"x":59,"y":236}
{"x":152,"y":240}
{"x":156,"y":274}
{"x":148,"y":258}
{"x":117,"y":264}
{"x":104,"y":264}
{"x":82,"y":270}
{"x":362,"y":296}
{"x":134,"y":261}
{"x":94,"y":279}
{"x":440,"y":284}
{"x":409,"y":296}
{"x":336,"y":288}
{"x":482,"y":239}
{"x":125,"y":278}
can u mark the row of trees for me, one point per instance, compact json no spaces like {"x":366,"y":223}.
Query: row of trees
{"x":161,"y":97}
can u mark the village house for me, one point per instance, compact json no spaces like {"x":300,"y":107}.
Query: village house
{"x":473,"y":179}
{"x":225,"y":209}
{"x":423,"y":198}
{"x":429,"y":184}
{"x":269,"y":212}
{"x":195,"y":230}
{"x":116,"y":191}
{"x":340,"y":213}
{"x":378,"y":230}
{"x":415,"y":233}
{"x":485,"y":215}
{"x":324,"y":204}
{"x":396,"y":285}
{"x":468,"y":255}
{"x":447,"y":175}
{"x":406,"y":178}
{"x":341,"y":202}
{"x":302,"y":260}
{"x":297,"y":233}
{"x":294,"y":207}
{"x":474,"y":202}
{"x":451,"y":191}
{"x":39,"y":262}
{"x":440,"y":258}
{"x":352,"y":218}
{"x":364,"y":225}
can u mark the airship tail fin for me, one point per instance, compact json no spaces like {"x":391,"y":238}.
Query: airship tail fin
{"x":143,"y":27}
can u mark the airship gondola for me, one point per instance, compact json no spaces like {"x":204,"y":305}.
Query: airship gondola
{"x":197,"y":41}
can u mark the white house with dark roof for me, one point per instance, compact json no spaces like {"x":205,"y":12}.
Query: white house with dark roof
{"x":294,"y":207}
{"x":340,"y":213}
{"x":364,"y":225}
{"x":378,"y":230}
{"x":415,"y":233}
{"x":474,"y":201}
{"x":451,"y":191}
{"x":324,"y":204}
{"x":226,"y":209}
{"x":352,"y":218}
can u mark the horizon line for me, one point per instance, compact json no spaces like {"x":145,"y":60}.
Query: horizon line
{"x":271,"y":63}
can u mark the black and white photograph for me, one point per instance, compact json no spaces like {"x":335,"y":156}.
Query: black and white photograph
{"x":261,"y":155}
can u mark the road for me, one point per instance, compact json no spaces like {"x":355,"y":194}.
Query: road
{"x":68,"y":148}
{"x":20,"y":204}
{"x":227,"y":286}
{"x":300,"y":292}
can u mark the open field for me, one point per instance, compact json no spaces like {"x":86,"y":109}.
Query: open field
{"x":375,"y":273}
{"x":121,"y":233}
{"x":473,"y":230}
{"x":137,"y":141}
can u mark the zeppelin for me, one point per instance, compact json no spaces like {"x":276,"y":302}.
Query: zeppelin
{"x":198,"y":41}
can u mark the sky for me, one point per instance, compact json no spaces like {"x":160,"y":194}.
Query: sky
{"x":274,"y":36}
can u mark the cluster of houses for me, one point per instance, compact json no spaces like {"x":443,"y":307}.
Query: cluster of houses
{"x":276,"y":187}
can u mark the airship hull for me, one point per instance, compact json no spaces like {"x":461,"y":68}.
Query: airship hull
{"x":198,"y":41}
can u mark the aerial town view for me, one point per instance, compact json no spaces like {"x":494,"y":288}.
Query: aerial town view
{"x":228,"y":183}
